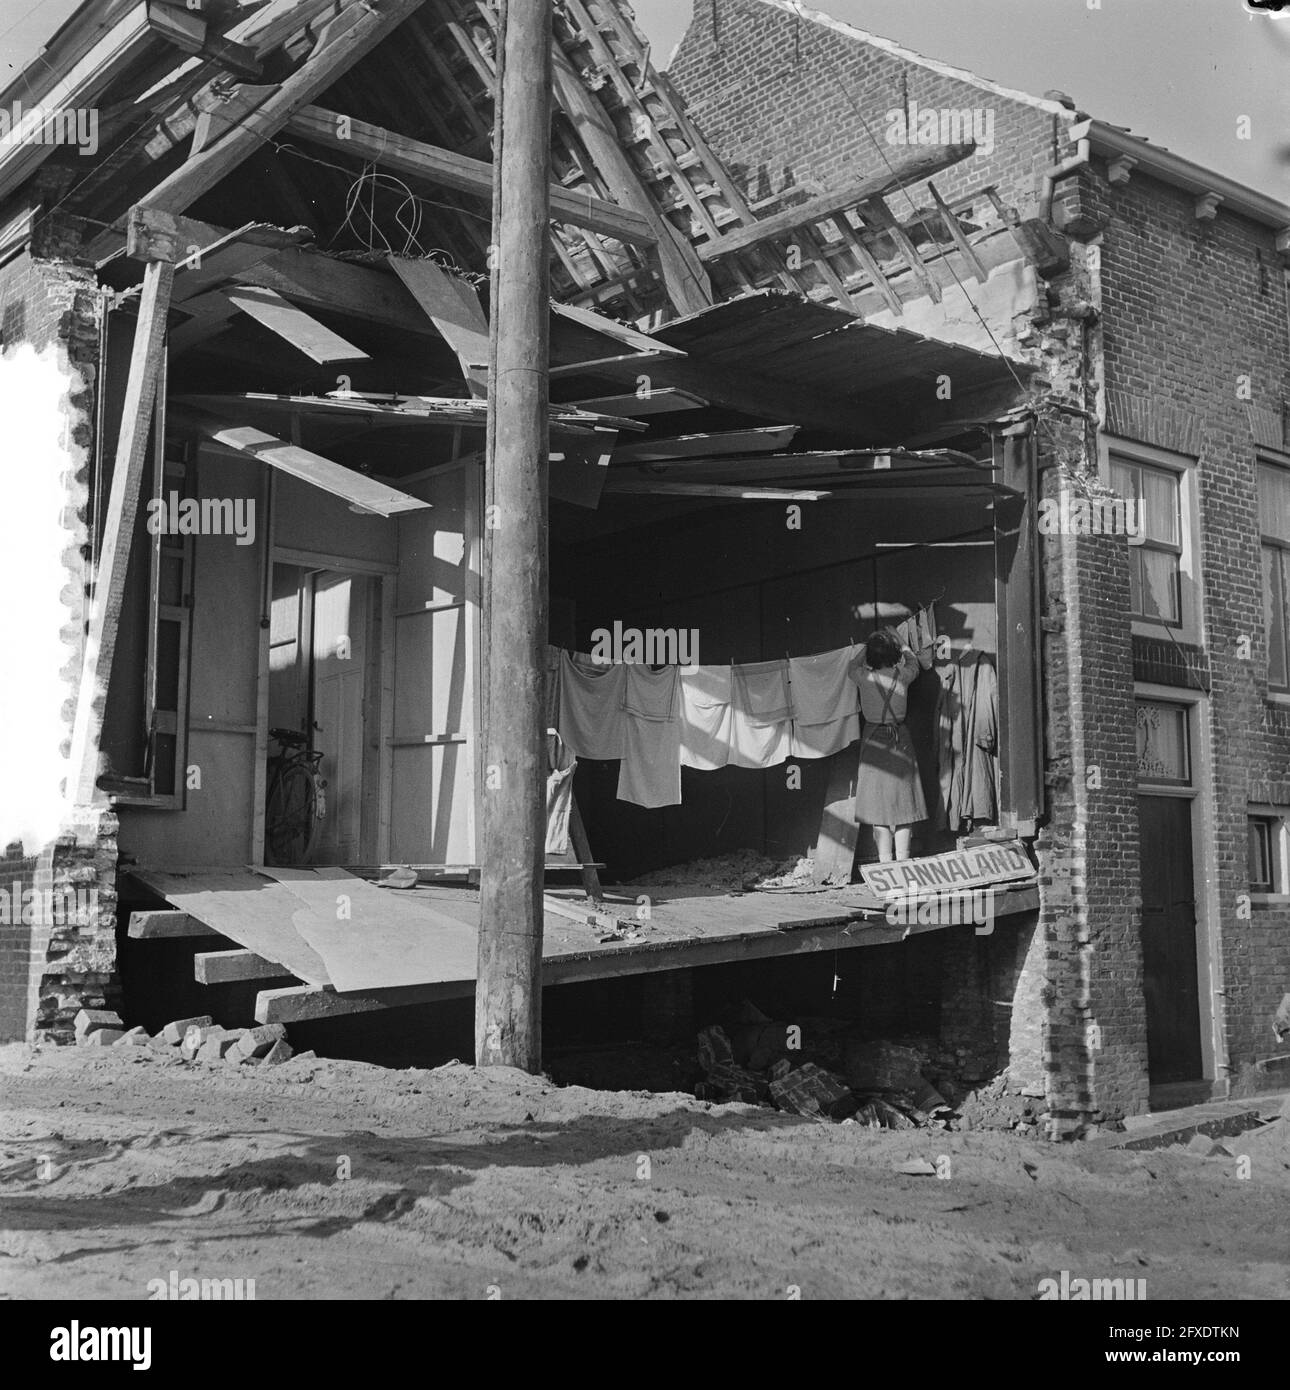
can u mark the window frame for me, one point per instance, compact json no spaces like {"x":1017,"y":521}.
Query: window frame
{"x":1266,"y":458}
{"x":1189,"y":627}
{"x":1278,"y":819}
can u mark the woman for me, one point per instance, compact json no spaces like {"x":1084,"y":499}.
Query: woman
{"x":889,"y":794}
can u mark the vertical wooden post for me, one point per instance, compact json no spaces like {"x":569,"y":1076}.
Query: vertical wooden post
{"x":508,"y":998}
{"x":122,"y":512}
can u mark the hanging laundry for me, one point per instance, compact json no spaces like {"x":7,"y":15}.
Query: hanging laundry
{"x":980,"y":795}
{"x":559,"y":793}
{"x":592,"y":720}
{"x":705,"y":716}
{"x":761,"y":727}
{"x":650,"y":772}
{"x":826,"y":703}
{"x":967,"y":723}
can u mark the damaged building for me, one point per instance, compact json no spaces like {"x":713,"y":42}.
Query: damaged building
{"x":839,"y":335}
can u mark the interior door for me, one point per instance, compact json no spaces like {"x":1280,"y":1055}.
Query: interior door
{"x":1169,"y":939}
{"x":339,"y":667}
{"x":436,"y":653}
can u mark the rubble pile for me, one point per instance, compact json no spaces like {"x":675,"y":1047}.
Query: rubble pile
{"x":740,"y":871}
{"x":811,"y":1070}
{"x":191,"y":1039}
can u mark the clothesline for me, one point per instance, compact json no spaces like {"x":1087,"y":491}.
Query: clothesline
{"x":758,"y":714}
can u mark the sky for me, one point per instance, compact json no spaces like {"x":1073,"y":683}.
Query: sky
{"x":1178,"y":72}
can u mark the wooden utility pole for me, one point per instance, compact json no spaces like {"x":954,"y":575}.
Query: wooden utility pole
{"x":508,"y":996}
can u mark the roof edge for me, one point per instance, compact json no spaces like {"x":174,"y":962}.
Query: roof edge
{"x":1110,"y":141}
{"x":826,"y":21}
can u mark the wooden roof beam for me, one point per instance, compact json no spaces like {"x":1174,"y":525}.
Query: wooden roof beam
{"x":345,"y":39}
{"x":445,"y":168}
{"x":909,"y":170}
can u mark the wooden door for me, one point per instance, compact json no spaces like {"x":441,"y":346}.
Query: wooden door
{"x":434,"y":743}
{"x":1169,"y":939}
{"x":339,"y":668}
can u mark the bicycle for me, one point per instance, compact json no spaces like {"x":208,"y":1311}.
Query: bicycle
{"x":296,"y":801}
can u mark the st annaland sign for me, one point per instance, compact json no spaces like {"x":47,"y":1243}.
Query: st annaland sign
{"x":960,"y":868}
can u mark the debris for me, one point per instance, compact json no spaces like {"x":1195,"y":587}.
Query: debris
{"x":102,"y":1037}
{"x":89,"y":1020}
{"x":398,"y":878}
{"x":714,"y":1049}
{"x":279,"y":1052}
{"x":136,"y":1037}
{"x":174,"y":1033}
{"x":918,"y":1168}
{"x":810,"y":1090}
{"x":215,"y":1048}
{"x":255,"y":1042}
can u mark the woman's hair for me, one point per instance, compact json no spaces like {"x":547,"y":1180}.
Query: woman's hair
{"x":882,"y":650}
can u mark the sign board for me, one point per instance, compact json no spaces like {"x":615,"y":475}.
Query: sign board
{"x":960,"y":868}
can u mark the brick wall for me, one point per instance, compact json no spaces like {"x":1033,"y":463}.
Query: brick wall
{"x":1191,"y":308}
{"x":788,"y":103}
{"x":49,"y":969}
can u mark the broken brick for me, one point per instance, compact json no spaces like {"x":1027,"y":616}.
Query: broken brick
{"x":89,"y":1020}
{"x":175,"y":1032}
{"x":255,"y":1042}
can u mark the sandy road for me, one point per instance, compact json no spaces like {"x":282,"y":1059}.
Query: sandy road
{"x":343,"y":1180}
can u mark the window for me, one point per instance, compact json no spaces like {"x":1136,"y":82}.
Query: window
{"x":1274,"y":536}
{"x":1163,"y":743}
{"x":1155,"y":563}
{"x":1266,"y":854}
{"x":1262,"y":831}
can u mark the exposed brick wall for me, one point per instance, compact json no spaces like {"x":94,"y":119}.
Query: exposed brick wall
{"x":786,"y":103}
{"x":17,"y":869}
{"x":49,"y":969}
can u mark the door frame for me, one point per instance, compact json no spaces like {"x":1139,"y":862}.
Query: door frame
{"x":379,"y":660}
{"x":1204,"y":857}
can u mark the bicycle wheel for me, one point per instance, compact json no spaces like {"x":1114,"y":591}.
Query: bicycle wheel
{"x":291,"y":823}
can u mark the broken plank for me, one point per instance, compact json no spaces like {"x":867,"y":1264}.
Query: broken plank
{"x":659,"y":402}
{"x":716,"y":445}
{"x":646,"y":487}
{"x":904,"y":172}
{"x":589,"y":916}
{"x":293,"y":324}
{"x":306,"y":1003}
{"x":446,"y":169}
{"x":360,"y":491}
{"x":108,"y":602}
{"x":151,"y":926}
{"x":225,"y":967}
{"x":452,"y":305}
